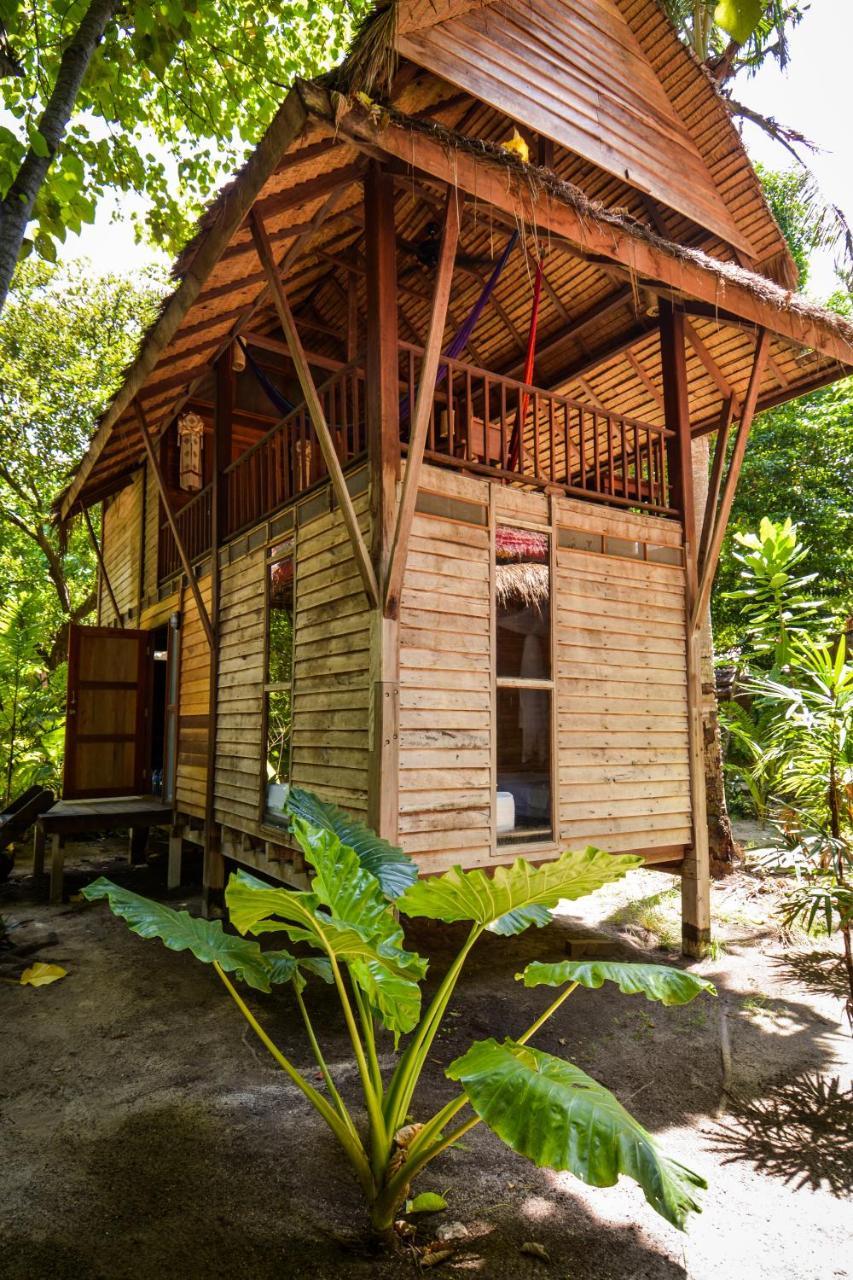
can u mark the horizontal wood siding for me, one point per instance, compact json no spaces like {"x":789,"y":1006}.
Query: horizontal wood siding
{"x":445,"y":690}
{"x":151,"y":536}
{"x":331,"y":666}
{"x":576,"y":73}
{"x":621,"y":690}
{"x":193,"y":709}
{"x":122,"y":544}
{"x":239,"y":724}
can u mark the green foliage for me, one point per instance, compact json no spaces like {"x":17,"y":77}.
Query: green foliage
{"x":174,"y":97}
{"x":776,"y":606}
{"x":569,"y":1121}
{"x":759,"y":27}
{"x":798,"y":465}
{"x":347,"y":930}
{"x":65,"y":338}
{"x":658,"y":982}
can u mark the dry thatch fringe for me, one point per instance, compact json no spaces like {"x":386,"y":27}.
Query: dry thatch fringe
{"x":371,"y":63}
{"x":540,"y":179}
{"x":519,"y":583}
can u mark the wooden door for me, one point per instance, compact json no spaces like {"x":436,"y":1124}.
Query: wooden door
{"x":106,"y":725}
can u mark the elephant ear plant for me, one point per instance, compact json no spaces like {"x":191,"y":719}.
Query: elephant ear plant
{"x":349,"y":935}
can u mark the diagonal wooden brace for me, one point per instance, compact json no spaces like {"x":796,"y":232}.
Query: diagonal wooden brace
{"x":423,"y":403}
{"x":708,"y":567}
{"x":315,"y":409}
{"x":102,"y":565}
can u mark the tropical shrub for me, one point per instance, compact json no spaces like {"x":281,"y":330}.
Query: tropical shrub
{"x":348,"y":934}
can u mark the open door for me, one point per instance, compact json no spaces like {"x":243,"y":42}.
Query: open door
{"x":106,"y":725}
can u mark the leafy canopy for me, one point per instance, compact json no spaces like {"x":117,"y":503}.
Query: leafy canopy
{"x":174,"y":96}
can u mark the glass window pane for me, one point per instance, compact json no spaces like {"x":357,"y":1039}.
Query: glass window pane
{"x":280,"y":648}
{"x":523,"y":765}
{"x":523,"y":604}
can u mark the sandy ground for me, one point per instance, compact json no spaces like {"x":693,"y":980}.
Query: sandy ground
{"x":143,"y":1134}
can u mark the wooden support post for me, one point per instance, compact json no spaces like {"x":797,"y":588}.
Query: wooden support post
{"x":718,"y":528}
{"x":420,"y":416}
{"x":101,"y":564}
{"x":695,"y":871}
{"x":382,"y":394}
{"x":315,"y":410}
{"x":38,"y":852}
{"x":137,"y":842}
{"x":213,"y":879}
{"x":176,"y":854}
{"x":57,"y":863}
{"x":170,"y":516}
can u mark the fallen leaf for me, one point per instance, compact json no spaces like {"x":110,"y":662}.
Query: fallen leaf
{"x":426,"y":1202}
{"x":535,"y":1250}
{"x":39,"y":975}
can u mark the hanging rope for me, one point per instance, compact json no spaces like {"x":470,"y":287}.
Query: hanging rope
{"x":530,"y":357}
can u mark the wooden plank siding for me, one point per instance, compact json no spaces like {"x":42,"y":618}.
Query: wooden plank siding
{"x":331,"y":663}
{"x":239,"y":717}
{"x":151,"y":537}
{"x":622,"y":760}
{"x":620,"y":698}
{"x":122,"y":549}
{"x":577,"y":74}
{"x":193,"y":709}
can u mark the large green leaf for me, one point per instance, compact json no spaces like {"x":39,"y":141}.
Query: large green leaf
{"x":739,"y":18}
{"x":655,"y":981}
{"x":387,"y":974}
{"x":558,"y":1116}
{"x":394,"y":869}
{"x":180,"y":931}
{"x":517,"y":896}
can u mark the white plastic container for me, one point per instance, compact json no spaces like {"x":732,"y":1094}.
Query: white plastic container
{"x":505,"y":812}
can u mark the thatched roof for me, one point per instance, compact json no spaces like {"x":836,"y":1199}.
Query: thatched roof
{"x":518,"y":584}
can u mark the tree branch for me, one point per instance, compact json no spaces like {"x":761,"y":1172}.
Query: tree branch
{"x":54,"y":563}
{"x":17,"y":207}
{"x":788,"y":137}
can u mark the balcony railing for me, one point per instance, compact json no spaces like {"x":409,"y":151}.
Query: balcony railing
{"x":288,"y":460}
{"x":193,"y":523}
{"x":497,"y":426}
{"x":479,"y":421}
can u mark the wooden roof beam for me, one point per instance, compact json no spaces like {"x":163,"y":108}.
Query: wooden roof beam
{"x":713,"y":369}
{"x":507,"y":187}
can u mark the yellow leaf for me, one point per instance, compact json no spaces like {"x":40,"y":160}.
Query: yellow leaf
{"x":39,"y":975}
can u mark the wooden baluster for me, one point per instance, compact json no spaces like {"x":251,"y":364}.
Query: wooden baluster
{"x":582,"y":447}
{"x":611,"y":461}
{"x":469,"y":411}
{"x":536,"y":458}
{"x":487,"y":421}
{"x":504,"y":440}
{"x":552,"y":429}
{"x":638,"y":471}
{"x":522,"y":459}
{"x":596,"y":450}
{"x":623,"y":438}
{"x":451,"y":415}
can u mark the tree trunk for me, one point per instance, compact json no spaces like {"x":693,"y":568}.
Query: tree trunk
{"x":17,"y":207}
{"x":721,"y":841}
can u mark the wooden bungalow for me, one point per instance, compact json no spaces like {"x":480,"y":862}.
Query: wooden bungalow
{"x":397,"y":497}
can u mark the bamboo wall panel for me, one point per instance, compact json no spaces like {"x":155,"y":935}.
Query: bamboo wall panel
{"x":122,"y":544}
{"x":194,"y":708}
{"x":621,"y":689}
{"x":239,"y":723}
{"x":445,"y":693}
{"x":576,"y":73}
{"x":331,"y":667}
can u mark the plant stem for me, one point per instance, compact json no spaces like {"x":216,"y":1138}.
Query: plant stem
{"x":369,"y":1039}
{"x":321,"y":1063}
{"x":379,"y":1140}
{"x":408,"y":1069}
{"x":552,"y":1008}
{"x":420,"y":1152}
{"x":350,"y":1142}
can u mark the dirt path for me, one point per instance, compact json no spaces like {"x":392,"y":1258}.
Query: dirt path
{"x":142,"y":1134}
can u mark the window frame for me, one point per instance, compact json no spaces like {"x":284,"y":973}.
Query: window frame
{"x":266,"y":817}
{"x":547,"y":844}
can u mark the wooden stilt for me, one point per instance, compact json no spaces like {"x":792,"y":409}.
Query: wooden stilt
{"x":57,"y":865}
{"x":138,"y":842}
{"x":38,"y":852}
{"x":176,"y":854}
{"x":695,"y":871}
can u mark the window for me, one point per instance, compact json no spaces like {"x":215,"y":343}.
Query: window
{"x":525,"y":686}
{"x":278,"y":683}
